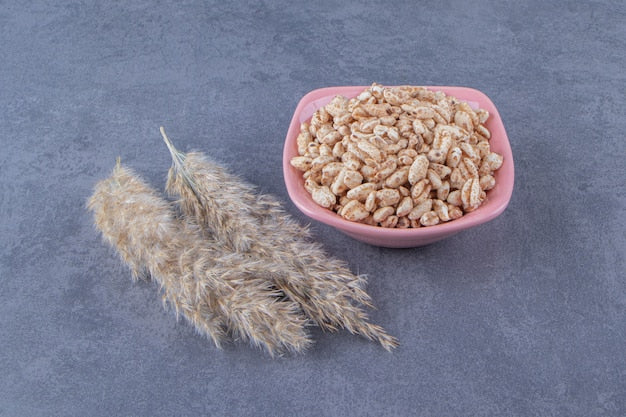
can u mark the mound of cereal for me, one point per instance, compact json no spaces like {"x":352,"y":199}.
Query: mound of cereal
{"x":397,"y":157}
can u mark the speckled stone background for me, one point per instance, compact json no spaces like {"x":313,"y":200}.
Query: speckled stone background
{"x":522,"y":316}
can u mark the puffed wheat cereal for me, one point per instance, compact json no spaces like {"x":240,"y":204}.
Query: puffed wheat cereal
{"x":397,"y":157}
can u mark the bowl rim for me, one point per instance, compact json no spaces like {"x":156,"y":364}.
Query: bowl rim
{"x":495,"y":205}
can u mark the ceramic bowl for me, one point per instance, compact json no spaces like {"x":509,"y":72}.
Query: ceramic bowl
{"x":497,"y":198}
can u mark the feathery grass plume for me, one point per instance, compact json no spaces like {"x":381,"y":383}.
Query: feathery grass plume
{"x":219,"y":292}
{"x":231,"y":209}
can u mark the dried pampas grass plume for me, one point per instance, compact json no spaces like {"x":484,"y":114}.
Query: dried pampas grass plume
{"x":219,"y":292}
{"x":249,"y":222}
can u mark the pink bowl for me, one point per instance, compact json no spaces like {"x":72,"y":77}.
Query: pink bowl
{"x":497,"y":198}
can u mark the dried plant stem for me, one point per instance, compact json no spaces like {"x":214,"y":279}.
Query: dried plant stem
{"x":220,"y":292}
{"x":232,"y":211}
{"x":219,"y":211}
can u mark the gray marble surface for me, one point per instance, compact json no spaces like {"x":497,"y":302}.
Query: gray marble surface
{"x":522,"y":316}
